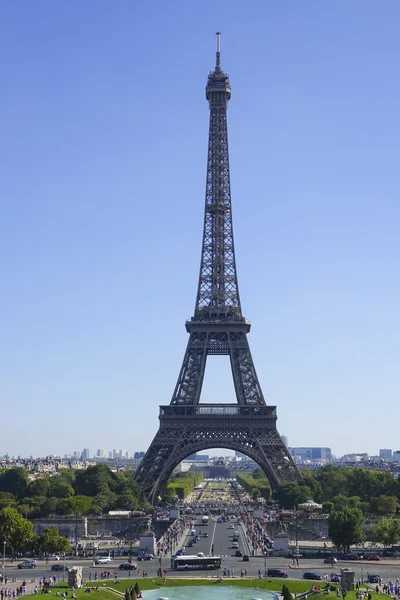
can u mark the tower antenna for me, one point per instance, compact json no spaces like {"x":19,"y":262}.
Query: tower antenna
{"x":218,"y":63}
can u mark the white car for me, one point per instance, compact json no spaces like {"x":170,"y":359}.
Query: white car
{"x":103,"y":560}
{"x":53,"y":557}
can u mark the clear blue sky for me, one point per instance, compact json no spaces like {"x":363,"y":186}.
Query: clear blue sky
{"x":104,"y":128}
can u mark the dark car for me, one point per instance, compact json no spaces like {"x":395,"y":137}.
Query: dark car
{"x":59,"y":567}
{"x":277,"y":573}
{"x":374,"y":578}
{"x":312,"y":575}
{"x":245,"y":557}
{"x":127,"y":567}
{"x":330,"y":560}
{"x":238,"y":553}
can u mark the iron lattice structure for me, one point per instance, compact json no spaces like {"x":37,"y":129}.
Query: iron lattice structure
{"x":217,"y":328}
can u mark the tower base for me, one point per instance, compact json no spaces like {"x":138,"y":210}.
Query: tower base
{"x":185,"y":430}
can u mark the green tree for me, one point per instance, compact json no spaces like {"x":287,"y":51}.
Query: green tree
{"x":311,"y":482}
{"x":16,"y":531}
{"x":127,"y":501}
{"x":50,"y":541}
{"x":68,"y":475}
{"x":94,"y":480}
{"x":346,"y":527}
{"x":333,"y":481}
{"x":258,"y":473}
{"x":292,"y":493}
{"x":15,"y":481}
{"x":385,"y":505}
{"x":59,"y":488}
{"x":7,"y":499}
{"x":103,"y":502}
{"x":39,"y":487}
{"x":75,"y":505}
{"x":387,"y":531}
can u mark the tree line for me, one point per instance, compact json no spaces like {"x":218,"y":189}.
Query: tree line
{"x":372,"y":492}
{"x":95,"y":490}
{"x":19,"y":537}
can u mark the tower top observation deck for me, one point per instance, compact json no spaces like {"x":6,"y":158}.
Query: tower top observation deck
{"x":218,"y":81}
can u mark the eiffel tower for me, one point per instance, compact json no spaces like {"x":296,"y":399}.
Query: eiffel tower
{"x":217,"y":328}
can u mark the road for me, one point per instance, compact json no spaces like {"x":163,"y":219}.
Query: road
{"x":221,"y":537}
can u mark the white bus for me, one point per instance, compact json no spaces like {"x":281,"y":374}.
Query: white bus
{"x":204,"y":520}
{"x":184,"y":563}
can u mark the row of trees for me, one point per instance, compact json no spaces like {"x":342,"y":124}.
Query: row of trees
{"x":18,"y":534}
{"x":376,"y":492}
{"x":95,"y":490}
{"x":256,"y":484}
{"x":181,"y":485}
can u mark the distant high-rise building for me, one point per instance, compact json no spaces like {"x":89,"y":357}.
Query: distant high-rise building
{"x":396,"y":455}
{"x":114,"y":453}
{"x":86,"y":454}
{"x":386,"y":454}
{"x":285,"y":440}
{"x":126,"y":454}
{"x":100,"y":453}
{"x":198,"y":457}
{"x":110,"y":454}
{"x":138,"y":455}
{"x":77,"y":454}
{"x":308,"y":453}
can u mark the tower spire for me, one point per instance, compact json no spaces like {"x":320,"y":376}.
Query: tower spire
{"x":218,"y":61}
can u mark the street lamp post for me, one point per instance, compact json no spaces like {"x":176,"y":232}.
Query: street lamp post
{"x":130,"y":539}
{"x":265,"y":565}
{"x":362,"y":571}
{"x":4,"y":557}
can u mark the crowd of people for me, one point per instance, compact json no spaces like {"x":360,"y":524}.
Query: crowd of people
{"x":257,"y":539}
{"x":171,"y":538}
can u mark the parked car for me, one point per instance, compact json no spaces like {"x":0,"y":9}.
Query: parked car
{"x":245,"y":557}
{"x":235,"y":546}
{"x":374,"y":557}
{"x":350,"y":557}
{"x":374,"y":578}
{"x":27,"y":564}
{"x":127,"y":567}
{"x":330,"y":560}
{"x":103,"y":560}
{"x":238,"y":553}
{"x":312,"y":575}
{"x":52,"y":557}
{"x":277,"y":573}
{"x":59,"y":567}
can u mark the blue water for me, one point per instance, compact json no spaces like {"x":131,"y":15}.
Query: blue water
{"x":209,"y":592}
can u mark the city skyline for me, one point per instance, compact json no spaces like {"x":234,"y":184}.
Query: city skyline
{"x":102,"y":175}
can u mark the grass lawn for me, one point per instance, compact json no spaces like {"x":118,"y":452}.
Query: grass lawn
{"x":150,"y":583}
